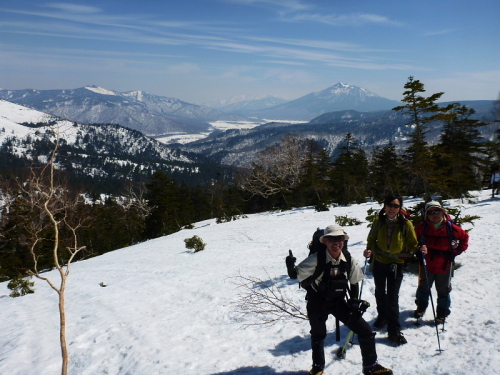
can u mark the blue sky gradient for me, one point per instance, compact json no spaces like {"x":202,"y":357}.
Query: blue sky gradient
{"x":214,"y":49}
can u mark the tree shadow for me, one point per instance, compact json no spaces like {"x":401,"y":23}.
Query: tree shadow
{"x":254,"y":370}
{"x":299,"y":344}
{"x":294,"y":345}
{"x":288,"y":347}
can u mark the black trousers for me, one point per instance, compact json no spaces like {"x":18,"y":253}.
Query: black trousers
{"x":388,"y":278}
{"x":318,"y":310}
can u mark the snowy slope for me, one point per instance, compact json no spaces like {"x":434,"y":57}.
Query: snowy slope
{"x":167,"y":310}
{"x":12,"y":115}
{"x":104,"y":139}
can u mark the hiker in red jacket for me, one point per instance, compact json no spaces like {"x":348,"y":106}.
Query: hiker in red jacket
{"x":441,"y":241}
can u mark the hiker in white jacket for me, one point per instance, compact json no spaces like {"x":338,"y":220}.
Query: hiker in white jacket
{"x":495,"y":178}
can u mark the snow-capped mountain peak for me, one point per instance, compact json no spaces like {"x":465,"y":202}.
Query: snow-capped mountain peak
{"x":346,"y":89}
{"x":100,"y":90}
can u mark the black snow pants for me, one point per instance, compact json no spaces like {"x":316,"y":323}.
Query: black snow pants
{"x":318,"y":310}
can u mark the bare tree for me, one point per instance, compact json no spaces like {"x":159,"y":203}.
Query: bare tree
{"x":52,"y":232}
{"x":265,"y":300}
{"x":279,"y":169}
{"x":135,"y":197}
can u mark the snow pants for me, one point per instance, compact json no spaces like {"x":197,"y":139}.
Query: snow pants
{"x":318,"y":310}
{"x":443,"y":288}
{"x":388,"y":278}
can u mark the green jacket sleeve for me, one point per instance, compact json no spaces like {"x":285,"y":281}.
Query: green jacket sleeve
{"x":372,"y":235}
{"x":411,"y":238}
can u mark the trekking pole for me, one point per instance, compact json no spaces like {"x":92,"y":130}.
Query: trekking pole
{"x":360,"y":292}
{"x":432,"y":303}
{"x":449,"y":286}
{"x":350,"y":336}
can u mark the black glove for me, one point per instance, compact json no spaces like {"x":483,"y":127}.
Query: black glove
{"x":290,"y":265}
{"x":357,"y":308}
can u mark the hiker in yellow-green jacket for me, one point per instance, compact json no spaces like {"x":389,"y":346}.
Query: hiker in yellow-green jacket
{"x":391,"y":240}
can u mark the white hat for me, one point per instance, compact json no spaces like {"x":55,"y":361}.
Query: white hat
{"x":431,"y":205}
{"x":334,"y":230}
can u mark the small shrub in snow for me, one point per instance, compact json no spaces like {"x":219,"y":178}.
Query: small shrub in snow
{"x":345,"y":221}
{"x":195,"y":243}
{"x":20,"y":286}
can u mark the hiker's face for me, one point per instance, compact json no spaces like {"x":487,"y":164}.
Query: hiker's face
{"x":392,"y":209}
{"x":435,"y":215}
{"x":334,"y":246}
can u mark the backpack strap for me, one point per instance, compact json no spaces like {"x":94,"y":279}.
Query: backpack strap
{"x":321,"y":263}
{"x":348,"y":258}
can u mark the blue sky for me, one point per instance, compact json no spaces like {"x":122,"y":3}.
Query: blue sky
{"x":214,"y":49}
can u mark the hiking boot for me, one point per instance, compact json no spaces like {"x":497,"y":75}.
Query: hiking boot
{"x":440,"y":319}
{"x":441,"y":315}
{"x":417,"y":314}
{"x":397,"y":338}
{"x":376,"y":369}
{"x":380,"y":323}
{"x":421,"y":307}
{"x":316,"y":370}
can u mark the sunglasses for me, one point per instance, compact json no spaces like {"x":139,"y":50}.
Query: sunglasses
{"x":334,"y":238}
{"x":436,"y":212}
{"x":393,"y":205}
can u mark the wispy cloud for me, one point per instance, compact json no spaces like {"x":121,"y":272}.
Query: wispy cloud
{"x":284,"y":62}
{"x":319,"y":44}
{"x":299,"y":11}
{"x":282,"y":5}
{"x":84,"y":22}
{"x":439,"y":32}
{"x":341,"y":20}
{"x":74,"y":8}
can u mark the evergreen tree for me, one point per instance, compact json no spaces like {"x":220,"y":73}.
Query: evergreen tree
{"x":165,"y":206}
{"x":15,"y":256}
{"x":461,"y":151}
{"x":200,"y":200}
{"x":113,"y":226}
{"x":422,"y":111}
{"x":349,"y":174}
{"x":386,"y":173}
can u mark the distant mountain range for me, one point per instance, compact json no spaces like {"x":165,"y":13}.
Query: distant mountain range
{"x":150,"y":114}
{"x":160,"y":116}
{"x":330,"y":113}
{"x":238,"y":147}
